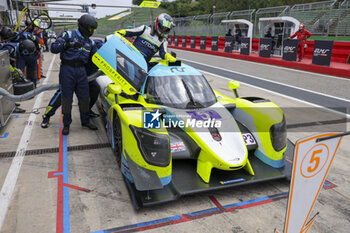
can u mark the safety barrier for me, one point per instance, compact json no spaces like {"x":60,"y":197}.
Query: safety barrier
{"x":338,"y":67}
{"x":341,"y":50}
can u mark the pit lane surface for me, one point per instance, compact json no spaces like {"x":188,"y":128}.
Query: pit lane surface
{"x":95,"y":197}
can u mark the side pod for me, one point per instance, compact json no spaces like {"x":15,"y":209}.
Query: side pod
{"x":267,"y":123}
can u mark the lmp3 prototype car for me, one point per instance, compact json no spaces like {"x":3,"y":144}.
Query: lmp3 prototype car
{"x":174,"y":135}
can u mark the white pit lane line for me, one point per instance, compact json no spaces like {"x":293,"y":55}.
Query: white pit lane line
{"x":267,"y":65}
{"x":334,"y":101}
{"x":12,"y":175}
{"x":277,"y":93}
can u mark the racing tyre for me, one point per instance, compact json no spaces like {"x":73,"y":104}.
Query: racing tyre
{"x":117,"y":136}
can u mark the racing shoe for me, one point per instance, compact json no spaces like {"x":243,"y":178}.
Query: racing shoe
{"x":19,"y":110}
{"x":93,"y":114}
{"x":65,"y":130}
{"x":89,"y":126}
{"x":46,"y":121}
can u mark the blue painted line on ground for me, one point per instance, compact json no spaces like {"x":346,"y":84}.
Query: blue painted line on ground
{"x":192,"y":214}
{"x":57,"y":174}
{"x":5,"y":135}
{"x":15,"y":116}
{"x":246,"y":202}
{"x":203,"y":212}
{"x":143,"y":224}
{"x":66,"y":216}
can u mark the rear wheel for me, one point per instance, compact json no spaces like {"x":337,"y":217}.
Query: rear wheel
{"x":117,"y":136}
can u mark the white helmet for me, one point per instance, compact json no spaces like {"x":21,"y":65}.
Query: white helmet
{"x":164,"y":23}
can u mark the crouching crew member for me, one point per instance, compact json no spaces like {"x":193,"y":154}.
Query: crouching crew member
{"x":28,"y":58}
{"x":29,"y":61}
{"x":75,"y":50}
{"x":16,"y":50}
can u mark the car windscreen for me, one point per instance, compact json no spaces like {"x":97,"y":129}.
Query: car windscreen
{"x":183,"y":92}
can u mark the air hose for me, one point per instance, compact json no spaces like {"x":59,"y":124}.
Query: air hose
{"x":32,"y":93}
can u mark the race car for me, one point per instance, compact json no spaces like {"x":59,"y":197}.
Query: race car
{"x":174,"y":135}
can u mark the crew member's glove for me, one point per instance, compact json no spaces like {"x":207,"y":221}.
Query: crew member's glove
{"x":289,"y":38}
{"x":18,"y":76}
{"x":72,"y":45}
{"x":170,"y":58}
{"x":121,"y":32}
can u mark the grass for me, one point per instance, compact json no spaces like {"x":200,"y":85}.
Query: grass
{"x":339,"y":38}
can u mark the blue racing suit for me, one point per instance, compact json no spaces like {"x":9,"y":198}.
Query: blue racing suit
{"x":94,"y":88}
{"x":12,"y":48}
{"x":30,"y":62}
{"x":72,"y":76}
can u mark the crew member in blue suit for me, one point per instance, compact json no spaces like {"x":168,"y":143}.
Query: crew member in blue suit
{"x":75,"y":50}
{"x":29,"y":60}
{"x":16,"y":50}
{"x":152,"y":39}
{"x":94,"y":90}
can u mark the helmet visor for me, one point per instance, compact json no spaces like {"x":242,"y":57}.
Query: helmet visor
{"x":165,"y":29}
{"x":167,"y":24}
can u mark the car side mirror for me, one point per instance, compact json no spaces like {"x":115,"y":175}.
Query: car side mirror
{"x":234,"y":85}
{"x":114,"y":89}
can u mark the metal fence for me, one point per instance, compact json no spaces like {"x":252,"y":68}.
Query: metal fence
{"x":326,"y":18}
{"x":269,"y":12}
{"x":318,"y":17}
{"x":245,"y":14}
{"x":216,"y":27}
{"x":343,"y":22}
{"x":208,"y":24}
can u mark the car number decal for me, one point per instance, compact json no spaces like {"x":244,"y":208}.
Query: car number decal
{"x":249,"y":139}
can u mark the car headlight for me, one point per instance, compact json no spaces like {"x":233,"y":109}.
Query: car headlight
{"x":154,"y":147}
{"x":278,"y":134}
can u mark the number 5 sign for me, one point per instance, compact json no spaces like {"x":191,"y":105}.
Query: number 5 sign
{"x":312,"y":161}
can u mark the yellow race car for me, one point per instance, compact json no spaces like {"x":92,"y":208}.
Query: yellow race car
{"x":174,"y":135}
